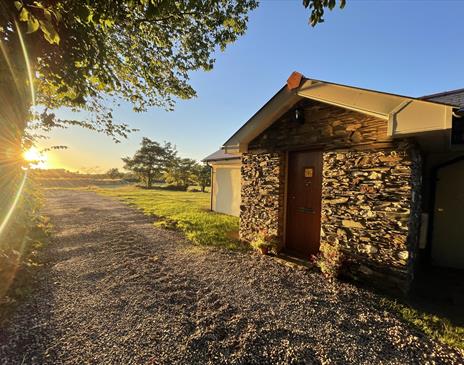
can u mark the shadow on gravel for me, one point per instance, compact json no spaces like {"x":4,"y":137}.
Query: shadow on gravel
{"x":36,"y":332}
{"x":440,"y":291}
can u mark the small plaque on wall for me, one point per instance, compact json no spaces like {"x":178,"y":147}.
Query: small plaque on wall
{"x":308,"y":172}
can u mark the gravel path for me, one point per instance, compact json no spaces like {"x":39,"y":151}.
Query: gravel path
{"x":116,"y":290}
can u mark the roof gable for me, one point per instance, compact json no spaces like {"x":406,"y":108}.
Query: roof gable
{"x":405,"y":114}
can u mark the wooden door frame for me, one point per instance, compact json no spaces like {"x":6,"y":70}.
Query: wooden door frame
{"x":287,"y":154}
{"x":284,"y":213}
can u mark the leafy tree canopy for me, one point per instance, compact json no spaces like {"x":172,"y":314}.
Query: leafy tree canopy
{"x":317,"y":8}
{"x":181,"y":172}
{"x":85,"y":52}
{"x":203,"y":175}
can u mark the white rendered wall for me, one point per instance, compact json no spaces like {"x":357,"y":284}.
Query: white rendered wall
{"x":226,"y":188}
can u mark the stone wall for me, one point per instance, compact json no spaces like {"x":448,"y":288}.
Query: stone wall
{"x":325,"y":126}
{"x":371,"y":208}
{"x":262,"y":195}
{"x":371,"y":188}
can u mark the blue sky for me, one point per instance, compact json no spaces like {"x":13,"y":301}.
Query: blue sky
{"x":406,"y":47}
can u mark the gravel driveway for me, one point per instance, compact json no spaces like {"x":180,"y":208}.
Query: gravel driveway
{"x":116,"y":290}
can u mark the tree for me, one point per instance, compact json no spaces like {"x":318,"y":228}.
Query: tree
{"x":203,"y":175}
{"x":317,"y":9}
{"x":151,"y":161}
{"x":114,"y":173}
{"x":181,"y":173}
{"x":82,"y":53}
{"x":140,"y":50}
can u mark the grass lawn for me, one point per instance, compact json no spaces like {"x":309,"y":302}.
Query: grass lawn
{"x":189,"y":212}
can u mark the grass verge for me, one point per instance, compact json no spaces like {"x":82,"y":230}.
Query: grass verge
{"x":185,"y":211}
{"x":434,"y":326}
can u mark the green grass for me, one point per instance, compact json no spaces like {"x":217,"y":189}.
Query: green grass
{"x":185,"y":211}
{"x":437,"y":327}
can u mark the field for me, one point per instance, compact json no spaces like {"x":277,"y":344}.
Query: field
{"x":188,"y":212}
{"x":75,"y":182}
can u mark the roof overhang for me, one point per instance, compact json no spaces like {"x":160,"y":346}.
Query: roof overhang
{"x":405,"y":115}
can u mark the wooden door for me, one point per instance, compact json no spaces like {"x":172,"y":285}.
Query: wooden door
{"x":304,"y":203}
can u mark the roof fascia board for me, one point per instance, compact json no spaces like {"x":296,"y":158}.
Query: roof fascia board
{"x":418,"y":99}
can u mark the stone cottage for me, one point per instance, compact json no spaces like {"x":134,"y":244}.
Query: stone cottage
{"x":329,"y":164}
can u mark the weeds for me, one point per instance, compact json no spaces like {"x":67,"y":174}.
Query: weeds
{"x":330,"y":261}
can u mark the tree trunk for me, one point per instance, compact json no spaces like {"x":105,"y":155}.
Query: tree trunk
{"x":149,"y":181}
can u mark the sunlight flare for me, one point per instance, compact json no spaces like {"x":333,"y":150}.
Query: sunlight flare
{"x":35,"y":158}
{"x":28,"y":64}
{"x":15,"y":203}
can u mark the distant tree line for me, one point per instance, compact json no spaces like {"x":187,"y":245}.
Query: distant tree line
{"x":155,"y":162}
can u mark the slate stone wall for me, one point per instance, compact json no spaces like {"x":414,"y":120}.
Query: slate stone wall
{"x":262,"y":205}
{"x":325,"y":126}
{"x":371,"y":208}
{"x":370,"y":193}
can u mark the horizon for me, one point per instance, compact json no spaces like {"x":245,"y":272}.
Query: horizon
{"x":405,"y":59}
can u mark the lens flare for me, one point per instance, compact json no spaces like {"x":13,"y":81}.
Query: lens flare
{"x":32,"y":154}
{"x":11,"y":158}
{"x":36,"y":158}
{"x":15,"y":203}
{"x":28,"y":64}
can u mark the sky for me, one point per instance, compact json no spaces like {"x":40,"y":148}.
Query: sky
{"x":406,"y":47}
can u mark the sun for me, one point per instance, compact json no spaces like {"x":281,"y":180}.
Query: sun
{"x":35,"y":158}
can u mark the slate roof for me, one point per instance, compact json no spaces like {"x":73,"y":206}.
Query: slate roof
{"x":454,"y":97}
{"x":220,"y":155}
